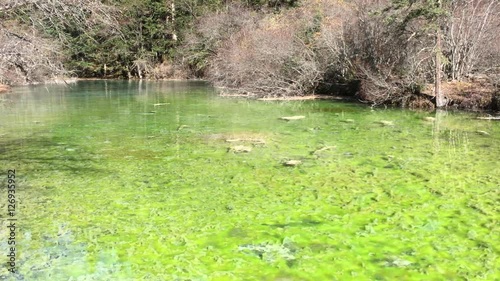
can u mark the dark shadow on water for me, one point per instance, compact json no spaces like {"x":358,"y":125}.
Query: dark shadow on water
{"x":303,"y":223}
{"x":45,"y":154}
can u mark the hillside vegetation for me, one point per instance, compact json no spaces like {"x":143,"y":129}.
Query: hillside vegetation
{"x":411,"y":53}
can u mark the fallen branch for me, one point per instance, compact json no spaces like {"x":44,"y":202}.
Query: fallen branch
{"x":322,"y":149}
{"x":489,"y":118}
{"x":299,"y":98}
{"x":290,"y":118}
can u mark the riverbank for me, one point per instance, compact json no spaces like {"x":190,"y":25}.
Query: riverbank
{"x":293,"y":98}
{"x":473,"y":95}
{"x":469,"y":95}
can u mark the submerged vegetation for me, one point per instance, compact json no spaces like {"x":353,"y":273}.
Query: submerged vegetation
{"x":136,"y":181}
{"x":166,"y":180}
{"x":389,"y":51}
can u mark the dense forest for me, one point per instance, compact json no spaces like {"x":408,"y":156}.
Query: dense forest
{"x":412,"y":53}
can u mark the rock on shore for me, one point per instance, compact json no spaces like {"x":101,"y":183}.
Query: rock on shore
{"x":4,"y":88}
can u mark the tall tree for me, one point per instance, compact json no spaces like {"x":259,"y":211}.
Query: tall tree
{"x":427,"y":16}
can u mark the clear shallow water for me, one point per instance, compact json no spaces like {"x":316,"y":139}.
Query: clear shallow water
{"x":113,"y":187}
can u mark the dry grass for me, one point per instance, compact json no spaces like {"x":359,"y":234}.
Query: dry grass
{"x":169,"y":70}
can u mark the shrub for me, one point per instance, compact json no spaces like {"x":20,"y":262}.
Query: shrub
{"x":270,"y":54}
{"x":27,"y":57}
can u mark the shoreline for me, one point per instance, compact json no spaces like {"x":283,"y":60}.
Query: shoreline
{"x":4,"y":89}
{"x":471,"y":96}
{"x":309,"y":97}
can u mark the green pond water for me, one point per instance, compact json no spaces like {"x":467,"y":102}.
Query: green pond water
{"x":143,"y":181}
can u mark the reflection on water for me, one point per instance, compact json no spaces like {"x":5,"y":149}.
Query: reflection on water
{"x":145,"y":181}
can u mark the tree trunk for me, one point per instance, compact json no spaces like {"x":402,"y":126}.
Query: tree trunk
{"x":174,"y":33}
{"x":440,"y":99}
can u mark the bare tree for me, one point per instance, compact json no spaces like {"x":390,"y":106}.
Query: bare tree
{"x":53,"y":12}
{"x":27,"y":53}
{"x":473,"y":31}
{"x":268,"y":59}
{"x":277,"y":55}
{"x":28,"y":58}
{"x":211,"y":31}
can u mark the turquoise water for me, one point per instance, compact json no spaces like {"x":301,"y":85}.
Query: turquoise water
{"x":148,"y":181}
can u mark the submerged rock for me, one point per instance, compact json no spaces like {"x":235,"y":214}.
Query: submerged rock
{"x":182,"y":127}
{"x":324,"y":148}
{"x":397,"y":262}
{"x":242,"y":137}
{"x":247,"y":140}
{"x":290,"y":118}
{"x":292,"y":163}
{"x":386,"y":123}
{"x":270,"y":252}
{"x":239,"y":149}
{"x":348,"y":154}
{"x":348,"y":120}
{"x":484,"y":133}
{"x":148,"y":113}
